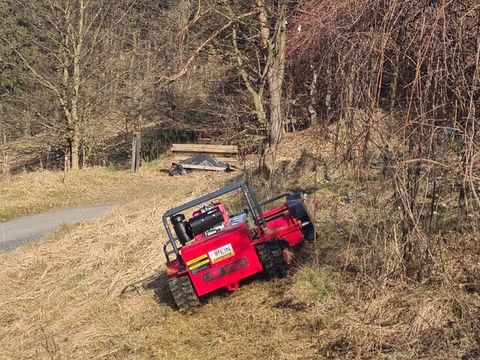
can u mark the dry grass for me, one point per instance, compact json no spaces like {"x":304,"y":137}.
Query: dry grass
{"x":30,"y":193}
{"x":67,"y":289}
{"x":95,"y":291}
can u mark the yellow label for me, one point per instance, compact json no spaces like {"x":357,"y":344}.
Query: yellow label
{"x":199,"y":264}
{"x":200,"y":258}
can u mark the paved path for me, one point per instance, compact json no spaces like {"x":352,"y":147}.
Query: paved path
{"x":31,"y":228}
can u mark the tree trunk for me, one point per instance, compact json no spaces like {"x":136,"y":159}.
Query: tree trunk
{"x":74,"y":138}
{"x":276,"y":112}
{"x":74,"y":152}
{"x":312,"y":112}
{"x":263,"y":20}
{"x":256,"y":93}
{"x":276,"y":75}
{"x":328,"y":96}
{"x":75,"y":119}
{"x":259,"y":108}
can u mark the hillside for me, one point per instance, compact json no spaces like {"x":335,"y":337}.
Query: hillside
{"x":369,"y":107}
{"x":96,"y":290}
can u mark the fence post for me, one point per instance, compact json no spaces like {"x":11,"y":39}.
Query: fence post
{"x":136,"y":151}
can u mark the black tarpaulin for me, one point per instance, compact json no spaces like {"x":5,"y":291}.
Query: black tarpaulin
{"x":200,"y":161}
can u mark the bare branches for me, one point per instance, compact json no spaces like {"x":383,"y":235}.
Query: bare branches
{"x":403,"y":76}
{"x":202,"y":46}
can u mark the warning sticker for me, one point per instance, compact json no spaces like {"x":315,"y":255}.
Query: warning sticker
{"x":197,"y":259}
{"x":221,"y":253}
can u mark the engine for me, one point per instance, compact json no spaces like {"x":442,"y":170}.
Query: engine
{"x":205,"y":222}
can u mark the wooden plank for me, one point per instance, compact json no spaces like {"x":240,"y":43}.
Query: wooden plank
{"x":229,"y":160}
{"x":136,"y":151}
{"x":216,"y":149}
{"x":190,"y":154}
{"x":186,"y":155}
{"x":204,"y":147}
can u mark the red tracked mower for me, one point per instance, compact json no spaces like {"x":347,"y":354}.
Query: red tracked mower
{"x":214,"y":250}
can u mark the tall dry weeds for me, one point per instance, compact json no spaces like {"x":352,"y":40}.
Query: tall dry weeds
{"x":95,"y":291}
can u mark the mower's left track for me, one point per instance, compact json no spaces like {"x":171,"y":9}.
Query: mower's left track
{"x":183,"y":294}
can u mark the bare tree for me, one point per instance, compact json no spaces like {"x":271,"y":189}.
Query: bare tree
{"x":70,"y":34}
{"x":261,"y":63}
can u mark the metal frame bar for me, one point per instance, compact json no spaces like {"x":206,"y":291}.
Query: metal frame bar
{"x":265,"y":202}
{"x":278,"y":197}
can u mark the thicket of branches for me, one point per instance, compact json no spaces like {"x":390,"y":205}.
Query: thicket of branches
{"x":396,"y":84}
{"x":80,"y":72}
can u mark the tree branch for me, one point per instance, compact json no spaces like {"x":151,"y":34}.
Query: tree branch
{"x":192,"y":58}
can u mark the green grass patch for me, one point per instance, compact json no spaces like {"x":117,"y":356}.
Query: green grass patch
{"x":112,"y":169}
{"x":318,"y":282}
{"x":6,"y":215}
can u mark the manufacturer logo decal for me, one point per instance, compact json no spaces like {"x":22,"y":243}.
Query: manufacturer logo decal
{"x":220,"y":254}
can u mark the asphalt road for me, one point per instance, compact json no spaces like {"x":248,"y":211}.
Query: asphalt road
{"x":31,"y":228}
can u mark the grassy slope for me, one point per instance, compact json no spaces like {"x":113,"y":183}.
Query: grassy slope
{"x":95,"y":291}
{"x":33,"y":193}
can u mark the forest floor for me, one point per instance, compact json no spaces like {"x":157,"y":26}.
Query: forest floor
{"x":96,"y":290}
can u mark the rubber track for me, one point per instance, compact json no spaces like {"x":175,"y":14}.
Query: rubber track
{"x":184,"y":294}
{"x":271,"y":257}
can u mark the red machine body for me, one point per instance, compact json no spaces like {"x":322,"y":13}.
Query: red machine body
{"x":284,"y":226}
{"x":219,"y":250}
{"x":221,"y":260}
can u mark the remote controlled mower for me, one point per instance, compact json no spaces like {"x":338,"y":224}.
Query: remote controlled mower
{"x":213,"y":249}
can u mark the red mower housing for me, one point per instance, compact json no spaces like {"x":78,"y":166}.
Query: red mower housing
{"x":214,"y":250}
